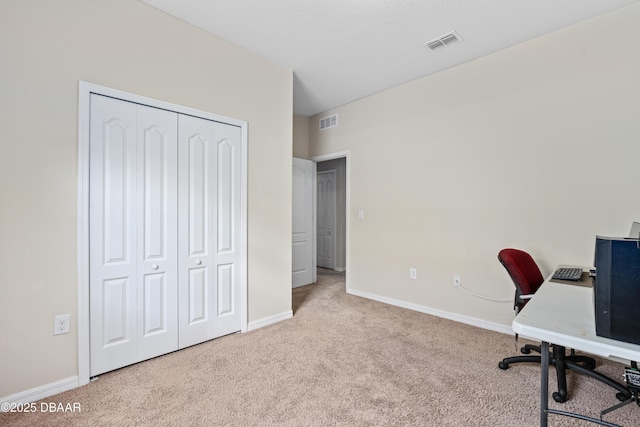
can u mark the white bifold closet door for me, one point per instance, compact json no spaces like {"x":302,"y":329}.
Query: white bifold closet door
{"x":209,"y":218}
{"x":164,"y":242}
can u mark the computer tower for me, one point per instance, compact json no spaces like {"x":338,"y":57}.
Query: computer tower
{"x":617,"y":289}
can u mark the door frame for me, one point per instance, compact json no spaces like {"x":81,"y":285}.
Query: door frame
{"x":85,"y":89}
{"x":347,"y":238}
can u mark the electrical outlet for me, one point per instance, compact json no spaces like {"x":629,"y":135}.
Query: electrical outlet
{"x":413,"y":273}
{"x":61,"y":324}
{"x":456,"y":280}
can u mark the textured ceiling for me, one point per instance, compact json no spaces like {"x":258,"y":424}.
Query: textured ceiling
{"x":344,"y":50}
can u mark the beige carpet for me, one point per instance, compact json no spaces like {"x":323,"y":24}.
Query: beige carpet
{"x":341,"y":361}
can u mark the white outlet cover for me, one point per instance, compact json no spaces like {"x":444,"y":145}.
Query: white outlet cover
{"x":61,"y":324}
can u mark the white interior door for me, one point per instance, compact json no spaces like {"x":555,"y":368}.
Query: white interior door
{"x":132,"y":221}
{"x":326,"y":220}
{"x":303,"y":258}
{"x":209,"y":239}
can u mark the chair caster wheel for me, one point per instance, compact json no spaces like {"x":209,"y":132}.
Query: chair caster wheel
{"x":622,"y":397}
{"x":558,"y":397}
{"x":525,"y":350}
{"x":503,"y":365}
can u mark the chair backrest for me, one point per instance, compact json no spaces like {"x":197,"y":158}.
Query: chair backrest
{"x":524,"y":272}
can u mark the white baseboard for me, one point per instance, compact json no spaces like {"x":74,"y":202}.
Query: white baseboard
{"x":42,"y":391}
{"x":497,"y":327}
{"x":257,"y":324}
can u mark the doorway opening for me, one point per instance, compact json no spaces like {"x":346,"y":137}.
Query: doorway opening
{"x":331,"y":216}
{"x":320,"y":217}
{"x":334,"y":242}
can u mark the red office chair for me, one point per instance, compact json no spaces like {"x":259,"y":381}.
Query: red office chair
{"x":525,"y":274}
{"x":527,"y":279}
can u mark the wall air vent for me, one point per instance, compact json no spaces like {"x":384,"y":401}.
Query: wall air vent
{"x":329,"y":122}
{"x":443,"y":41}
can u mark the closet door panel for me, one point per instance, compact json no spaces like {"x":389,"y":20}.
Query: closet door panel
{"x":113,"y":212}
{"x":157,"y":198}
{"x":196,"y":181}
{"x":228,"y":254}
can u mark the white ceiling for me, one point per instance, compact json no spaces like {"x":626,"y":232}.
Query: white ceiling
{"x":344,"y":50}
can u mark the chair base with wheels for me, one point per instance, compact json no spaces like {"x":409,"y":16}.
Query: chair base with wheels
{"x":561,"y":361}
{"x":586,"y":361}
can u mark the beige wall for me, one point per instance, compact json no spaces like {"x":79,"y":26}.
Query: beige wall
{"x":451,"y":168}
{"x":45,"y":49}
{"x":300,"y":136}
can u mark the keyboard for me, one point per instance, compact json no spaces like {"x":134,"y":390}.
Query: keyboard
{"x":567,"y":273}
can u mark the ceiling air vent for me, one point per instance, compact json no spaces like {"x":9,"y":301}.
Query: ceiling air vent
{"x":329,"y":122}
{"x":443,"y":41}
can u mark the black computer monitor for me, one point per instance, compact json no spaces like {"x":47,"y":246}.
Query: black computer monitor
{"x":617,"y":288}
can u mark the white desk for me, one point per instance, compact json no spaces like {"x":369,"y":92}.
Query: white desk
{"x":564,"y":315}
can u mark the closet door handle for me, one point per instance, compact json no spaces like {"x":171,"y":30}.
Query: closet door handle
{"x":155,"y":266}
{"x":199,"y":262}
